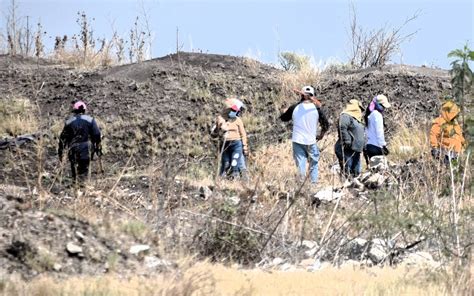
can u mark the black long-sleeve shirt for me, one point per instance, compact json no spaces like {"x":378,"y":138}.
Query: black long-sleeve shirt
{"x":79,"y":129}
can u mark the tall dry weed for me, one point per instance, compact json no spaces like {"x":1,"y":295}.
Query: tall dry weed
{"x":17,"y":116}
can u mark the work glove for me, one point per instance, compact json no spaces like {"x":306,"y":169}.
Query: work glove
{"x":385,"y":150}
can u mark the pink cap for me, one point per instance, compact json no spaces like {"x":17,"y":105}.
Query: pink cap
{"x":78,"y":104}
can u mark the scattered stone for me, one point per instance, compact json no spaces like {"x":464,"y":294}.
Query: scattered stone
{"x":308,"y":244}
{"x":329,"y":194}
{"x":318,"y":265}
{"x":378,"y":250}
{"x":307,"y":263}
{"x":137,"y":249}
{"x":73,"y":249}
{"x":358,"y":185}
{"x":375,"y":181}
{"x":233,"y":200}
{"x":420,"y":258}
{"x":335,"y":169}
{"x":287,"y":267}
{"x":57,"y":267}
{"x":80,"y":235}
{"x":277,"y":261}
{"x":205,"y":192}
{"x":378,"y":163}
{"x":154,"y":262}
{"x":356,"y":248}
{"x":351,"y":263}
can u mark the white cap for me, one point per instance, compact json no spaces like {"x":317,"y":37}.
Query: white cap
{"x":308,"y":90}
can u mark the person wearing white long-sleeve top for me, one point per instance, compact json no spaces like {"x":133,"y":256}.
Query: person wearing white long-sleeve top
{"x":376,"y":144}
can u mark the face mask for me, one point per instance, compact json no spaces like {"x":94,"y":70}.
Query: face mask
{"x":232,"y":114}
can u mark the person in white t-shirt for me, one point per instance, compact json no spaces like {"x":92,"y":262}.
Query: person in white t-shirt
{"x":376,"y":144}
{"x":306,"y":115}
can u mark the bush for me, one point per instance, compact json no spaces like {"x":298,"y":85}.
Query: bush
{"x":221,"y":239}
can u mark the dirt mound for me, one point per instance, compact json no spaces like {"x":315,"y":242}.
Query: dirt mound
{"x":165,"y":106}
{"x":60,"y":243}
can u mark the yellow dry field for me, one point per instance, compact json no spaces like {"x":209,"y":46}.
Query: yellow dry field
{"x":207,"y":279}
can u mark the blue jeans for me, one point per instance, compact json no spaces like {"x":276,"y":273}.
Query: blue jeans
{"x":231,"y":158}
{"x":349,"y":160}
{"x":303,"y":153}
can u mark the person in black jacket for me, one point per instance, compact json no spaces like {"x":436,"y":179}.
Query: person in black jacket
{"x":351,"y":140}
{"x":80,"y":137}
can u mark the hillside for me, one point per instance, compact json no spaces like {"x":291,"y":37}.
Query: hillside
{"x":158,"y":191}
{"x":171,"y":103}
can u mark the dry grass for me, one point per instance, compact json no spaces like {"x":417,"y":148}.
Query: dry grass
{"x":408,"y":143}
{"x":290,"y":80}
{"x":207,"y":279}
{"x":17,"y":116}
{"x":75,"y":58}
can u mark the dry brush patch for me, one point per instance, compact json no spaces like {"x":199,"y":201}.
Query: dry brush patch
{"x":207,"y":279}
{"x":17,"y":116}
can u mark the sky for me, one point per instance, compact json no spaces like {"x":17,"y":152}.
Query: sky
{"x":262,"y":28}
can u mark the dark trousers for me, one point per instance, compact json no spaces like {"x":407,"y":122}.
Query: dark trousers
{"x":372,"y":150}
{"x":79,"y":157}
{"x":349,"y":160}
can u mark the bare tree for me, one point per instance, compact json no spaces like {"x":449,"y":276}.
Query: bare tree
{"x":375,"y":48}
{"x":12,"y":28}
{"x":39,"y":46}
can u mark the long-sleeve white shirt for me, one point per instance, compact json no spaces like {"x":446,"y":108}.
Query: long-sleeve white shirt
{"x":374,"y":130}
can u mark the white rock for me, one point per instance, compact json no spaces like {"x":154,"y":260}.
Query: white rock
{"x":277,"y":261}
{"x":287,"y":267}
{"x":357,"y":184}
{"x":375,"y":181}
{"x":335,"y":169}
{"x":307,"y":262}
{"x":234,"y":200}
{"x":311,"y":252}
{"x":154,"y":262}
{"x":57,"y":267}
{"x":378,"y":163}
{"x":80,"y":235}
{"x":328,"y":194}
{"x":137,"y":249}
{"x":356,"y":248}
{"x":309,"y":244}
{"x":318,"y":265}
{"x":420,"y":259}
{"x":71,"y":248}
{"x":378,"y":250}
{"x":351,"y":263}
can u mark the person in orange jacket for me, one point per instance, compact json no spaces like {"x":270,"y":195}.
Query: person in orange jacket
{"x":446,"y":137}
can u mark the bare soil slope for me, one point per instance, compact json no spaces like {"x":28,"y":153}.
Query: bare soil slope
{"x":158,"y":111}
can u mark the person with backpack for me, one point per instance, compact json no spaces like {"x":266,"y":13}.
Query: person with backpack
{"x":306,"y":115}
{"x":234,"y":144}
{"x":80,"y":137}
{"x":446,"y":138}
{"x":351,"y":139}
{"x":376,"y":144}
